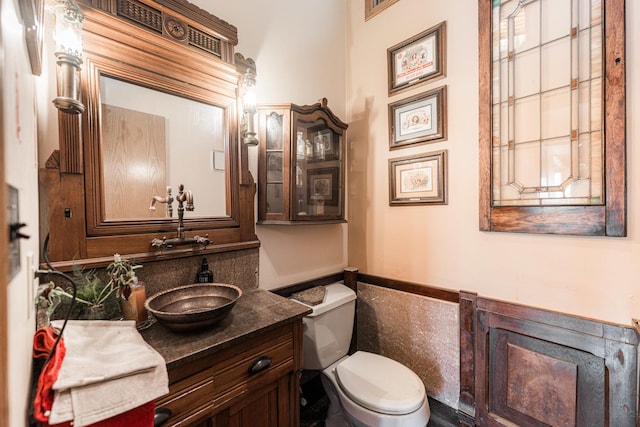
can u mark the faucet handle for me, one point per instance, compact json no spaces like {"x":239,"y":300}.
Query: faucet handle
{"x":204,"y":241}
{"x":168,"y":200}
{"x":159,"y":243}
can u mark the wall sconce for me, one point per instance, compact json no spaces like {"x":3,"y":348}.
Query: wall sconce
{"x":249,"y":106}
{"x":68,"y":38}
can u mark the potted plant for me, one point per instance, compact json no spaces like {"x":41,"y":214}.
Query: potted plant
{"x":121,"y":276}
{"x":129,"y":292}
{"x":94,"y":298}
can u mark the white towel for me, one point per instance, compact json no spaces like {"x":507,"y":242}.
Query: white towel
{"x":108,"y":369}
{"x":99,"y":350}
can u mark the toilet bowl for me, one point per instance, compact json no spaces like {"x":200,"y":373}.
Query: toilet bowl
{"x":364,"y":389}
{"x":374,"y":391}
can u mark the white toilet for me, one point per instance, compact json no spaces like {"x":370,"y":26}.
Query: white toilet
{"x":364,"y":389}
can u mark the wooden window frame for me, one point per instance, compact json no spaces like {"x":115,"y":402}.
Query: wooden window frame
{"x":603,"y":220}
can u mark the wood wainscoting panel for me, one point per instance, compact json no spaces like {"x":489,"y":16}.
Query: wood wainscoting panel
{"x":540,"y":368}
{"x":541,"y":387}
{"x":467,"y":308}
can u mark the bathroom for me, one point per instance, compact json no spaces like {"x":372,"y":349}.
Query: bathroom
{"x":304,"y":52}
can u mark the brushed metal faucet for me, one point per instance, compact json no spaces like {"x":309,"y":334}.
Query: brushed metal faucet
{"x":185,"y":202}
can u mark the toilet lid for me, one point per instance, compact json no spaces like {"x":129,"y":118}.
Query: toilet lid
{"x":380,"y":384}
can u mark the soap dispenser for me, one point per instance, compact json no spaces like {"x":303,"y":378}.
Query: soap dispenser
{"x":204,"y":275}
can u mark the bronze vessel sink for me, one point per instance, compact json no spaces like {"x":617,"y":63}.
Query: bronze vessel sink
{"x":191,"y":307}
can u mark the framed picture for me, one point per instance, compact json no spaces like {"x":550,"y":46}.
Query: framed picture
{"x":324,"y":182}
{"x":373,"y":7}
{"x":419,"y":179}
{"x":419,"y":119}
{"x":32,"y":12}
{"x":323,"y":145}
{"x":418,"y":59}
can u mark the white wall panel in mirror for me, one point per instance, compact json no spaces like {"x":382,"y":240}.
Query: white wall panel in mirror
{"x":547,"y":104}
{"x":152,"y":140}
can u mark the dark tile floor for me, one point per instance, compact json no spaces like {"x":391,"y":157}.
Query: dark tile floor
{"x":314,"y":410}
{"x":314,"y":415}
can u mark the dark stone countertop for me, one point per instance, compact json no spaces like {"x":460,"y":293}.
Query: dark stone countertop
{"x":255,"y":312}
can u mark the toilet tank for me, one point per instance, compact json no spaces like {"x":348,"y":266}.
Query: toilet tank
{"x":328,"y":330}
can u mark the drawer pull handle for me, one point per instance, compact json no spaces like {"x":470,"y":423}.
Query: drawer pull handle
{"x":161,"y":416}
{"x":261,"y":363}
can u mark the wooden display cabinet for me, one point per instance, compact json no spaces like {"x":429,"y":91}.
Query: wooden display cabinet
{"x":301,"y":164}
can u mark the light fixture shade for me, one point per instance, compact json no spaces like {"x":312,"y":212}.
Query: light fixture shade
{"x":249,"y":91}
{"x":249,"y":106}
{"x":68,"y":31}
{"x":68,"y":38}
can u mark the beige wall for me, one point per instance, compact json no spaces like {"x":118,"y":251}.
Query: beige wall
{"x":440,"y":245}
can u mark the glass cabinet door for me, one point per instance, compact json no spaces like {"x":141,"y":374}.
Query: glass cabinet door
{"x":318,"y":168}
{"x":301,"y":165}
{"x":273,"y":164}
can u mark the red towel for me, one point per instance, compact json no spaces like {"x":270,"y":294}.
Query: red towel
{"x":142,"y":416}
{"x":42,"y":344}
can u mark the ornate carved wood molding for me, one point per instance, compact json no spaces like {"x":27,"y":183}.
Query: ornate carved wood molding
{"x":177,"y":20}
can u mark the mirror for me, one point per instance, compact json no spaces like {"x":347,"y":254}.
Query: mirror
{"x":161,"y":96}
{"x":136,"y":113}
{"x":152,"y":140}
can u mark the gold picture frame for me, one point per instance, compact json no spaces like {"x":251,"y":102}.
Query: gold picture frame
{"x":417,"y":180}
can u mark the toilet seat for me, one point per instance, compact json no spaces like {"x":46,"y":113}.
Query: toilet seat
{"x":380,"y":384}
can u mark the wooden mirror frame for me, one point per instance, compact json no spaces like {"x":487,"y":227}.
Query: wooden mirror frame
{"x":137,"y":42}
{"x":608,"y":219}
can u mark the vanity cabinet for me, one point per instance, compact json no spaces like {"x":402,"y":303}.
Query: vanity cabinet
{"x":301,"y":164}
{"x":253,"y":383}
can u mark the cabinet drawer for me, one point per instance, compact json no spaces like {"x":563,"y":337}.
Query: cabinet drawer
{"x":187,"y":396}
{"x":234,"y":376}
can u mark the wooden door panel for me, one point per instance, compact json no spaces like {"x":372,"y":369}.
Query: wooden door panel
{"x":134,"y":150}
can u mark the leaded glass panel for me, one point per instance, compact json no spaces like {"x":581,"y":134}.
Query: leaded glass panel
{"x":547,"y":103}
